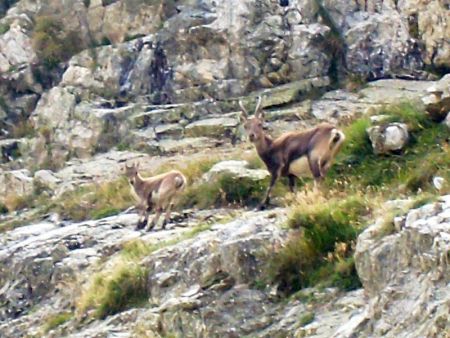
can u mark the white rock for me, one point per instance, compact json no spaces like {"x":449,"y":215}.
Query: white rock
{"x":388,"y":138}
{"x":237,"y":169}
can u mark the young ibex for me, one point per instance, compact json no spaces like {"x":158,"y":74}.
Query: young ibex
{"x":157,"y":193}
{"x":293,"y":154}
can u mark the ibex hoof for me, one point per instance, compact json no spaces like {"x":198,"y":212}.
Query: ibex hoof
{"x":261,"y":207}
{"x":150,"y":228}
{"x":164,"y":225}
{"x":141,"y":225}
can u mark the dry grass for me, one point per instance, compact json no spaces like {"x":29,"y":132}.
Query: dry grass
{"x":123,"y":284}
{"x":95,"y":201}
{"x":56,"y":320}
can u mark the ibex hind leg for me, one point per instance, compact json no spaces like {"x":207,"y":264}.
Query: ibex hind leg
{"x":155,"y":219}
{"x":167,"y":216}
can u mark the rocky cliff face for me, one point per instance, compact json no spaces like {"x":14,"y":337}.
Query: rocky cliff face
{"x":158,"y":81}
{"x":190,"y":50}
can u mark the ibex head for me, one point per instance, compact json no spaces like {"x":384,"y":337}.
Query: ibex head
{"x":131,"y":171}
{"x":253,"y":126}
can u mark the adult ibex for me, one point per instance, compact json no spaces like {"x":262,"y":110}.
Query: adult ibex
{"x":293,"y":154}
{"x":154,"y":193}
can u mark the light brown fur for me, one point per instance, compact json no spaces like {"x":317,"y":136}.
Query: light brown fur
{"x":288,"y":154}
{"x":157,"y":193}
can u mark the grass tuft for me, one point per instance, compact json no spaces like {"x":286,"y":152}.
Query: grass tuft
{"x":125,"y":284}
{"x":54,"y":321}
{"x":95,"y":201}
{"x":109,"y":293}
{"x":320,"y":251}
{"x":126,"y":288}
{"x":306,"y":318}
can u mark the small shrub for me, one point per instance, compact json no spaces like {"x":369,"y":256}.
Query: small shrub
{"x":122,"y":146}
{"x":136,"y":249}
{"x":133,"y":37}
{"x":4,"y":28}
{"x":105,"y":212}
{"x":408,"y":113}
{"x":116,"y":290}
{"x":341,"y":274}
{"x":105,"y":41}
{"x":355,"y":81}
{"x":54,"y":321}
{"x":329,"y":222}
{"x":23,"y":128}
{"x":16,"y":202}
{"x":52,"y":43}
{"x":319,"y":252}
{"x":289,"y":267}
{"x":306,"y":318}
{"x":127,"y":287}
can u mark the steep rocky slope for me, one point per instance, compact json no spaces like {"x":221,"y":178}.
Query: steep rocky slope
{"x":88,"y":85}
{"x":205,"y":286}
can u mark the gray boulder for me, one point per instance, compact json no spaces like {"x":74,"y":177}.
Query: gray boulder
{"x":237,"y":169}
{"x":387,"y":138}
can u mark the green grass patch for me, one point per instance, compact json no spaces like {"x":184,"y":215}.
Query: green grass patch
{"x":329,"y":222}
{"x":4,"y":28}
{"x":52,"y":43}
{"x":124,"y":285}
{"x":128,"y":288}
{"x":340,"y":273}
{"x":54,"y":321}
{"x":320,"y":251}
{"x":357,"y":168}
{"x":306,"y":318}
{"x":123,"y":288}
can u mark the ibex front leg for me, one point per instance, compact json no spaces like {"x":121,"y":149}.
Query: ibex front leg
{"x":273,"y":180}
{"x":142,"y":221}
{"x":316,"y":170}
